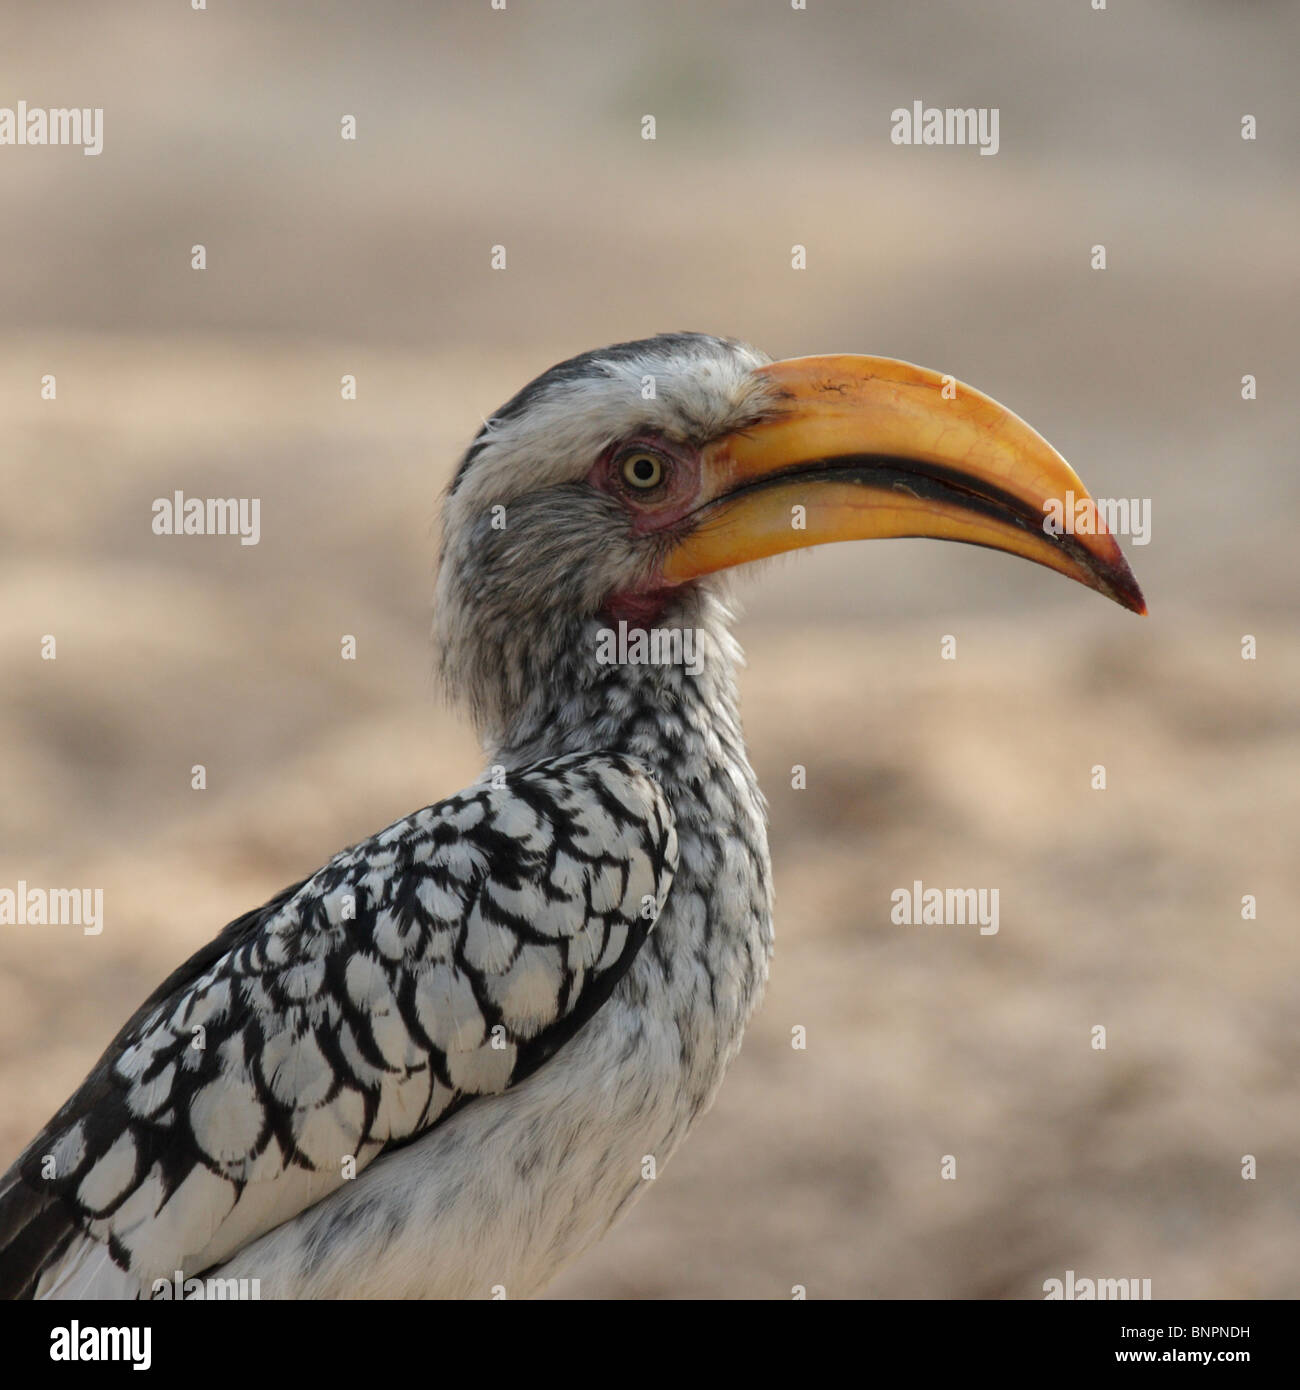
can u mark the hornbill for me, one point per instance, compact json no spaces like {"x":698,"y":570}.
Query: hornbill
{"x":435,"y":1067}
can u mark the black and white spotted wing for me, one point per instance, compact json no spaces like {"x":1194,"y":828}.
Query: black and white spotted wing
{"x":445,"y":958}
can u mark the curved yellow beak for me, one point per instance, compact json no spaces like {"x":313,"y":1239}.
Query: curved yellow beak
{"x":859,"y":448}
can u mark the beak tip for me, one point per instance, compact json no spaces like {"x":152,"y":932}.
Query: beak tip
{"x":1119,"y":583}
{"x":1106,"y":569}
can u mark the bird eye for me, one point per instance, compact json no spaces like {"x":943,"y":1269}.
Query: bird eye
{"x":643,"y":470}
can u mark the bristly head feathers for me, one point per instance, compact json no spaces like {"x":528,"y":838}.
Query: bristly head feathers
{"x":531,"y":550}
{"x":701,"y":385}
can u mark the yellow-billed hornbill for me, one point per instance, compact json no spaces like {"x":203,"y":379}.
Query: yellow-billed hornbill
{"x":436,"y":1066}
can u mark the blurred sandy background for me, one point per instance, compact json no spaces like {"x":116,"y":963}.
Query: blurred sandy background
{"x":477,"y":127}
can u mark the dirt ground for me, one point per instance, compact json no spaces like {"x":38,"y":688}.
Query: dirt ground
{"x":1119,"y":908}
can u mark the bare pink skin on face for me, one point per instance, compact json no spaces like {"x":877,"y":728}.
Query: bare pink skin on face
{"x":649,"y":510}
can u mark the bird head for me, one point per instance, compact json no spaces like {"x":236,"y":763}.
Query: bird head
{"x":622,"y":483}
